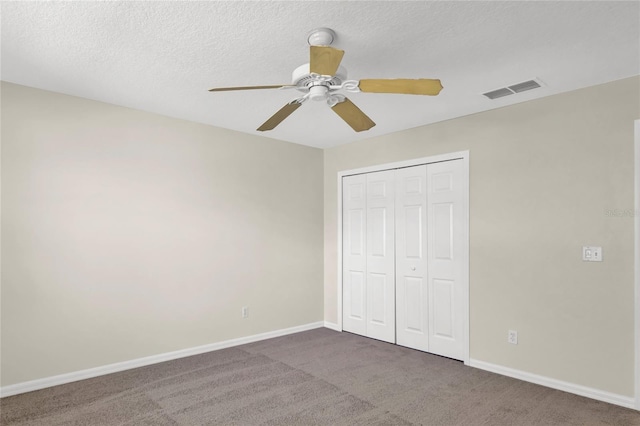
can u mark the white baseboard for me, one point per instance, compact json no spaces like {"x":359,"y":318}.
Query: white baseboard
{"x":612,"y":398}
{"x":332,"y":326}
{"x":141,"y":362}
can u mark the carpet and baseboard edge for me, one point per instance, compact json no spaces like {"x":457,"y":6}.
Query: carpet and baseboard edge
{"x":611,"y":398}
{"x":332,"y":326}
{"x":32,"y":385}
{"x":61,"y":379}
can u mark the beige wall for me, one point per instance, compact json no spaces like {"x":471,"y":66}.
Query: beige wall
{"x":127,"y":234}
{"x":542,"y":176}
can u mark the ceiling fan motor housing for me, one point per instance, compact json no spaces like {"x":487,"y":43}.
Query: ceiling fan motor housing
{"x":303,"y":79}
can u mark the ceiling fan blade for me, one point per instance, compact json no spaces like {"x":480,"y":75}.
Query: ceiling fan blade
{"x":226,"y":89}
{"x":420,"y":86}
{"x":325,"y":60}
{"x":353,"y":116}
{"x":279,"y":116}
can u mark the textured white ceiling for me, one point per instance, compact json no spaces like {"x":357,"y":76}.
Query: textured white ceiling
{"x":163,"y":56}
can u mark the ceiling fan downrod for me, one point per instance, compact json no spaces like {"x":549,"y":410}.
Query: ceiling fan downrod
{"x":321,"y":37}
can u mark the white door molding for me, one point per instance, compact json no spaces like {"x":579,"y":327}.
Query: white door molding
{"x":460,"y":155}
{"x":637,"y":261}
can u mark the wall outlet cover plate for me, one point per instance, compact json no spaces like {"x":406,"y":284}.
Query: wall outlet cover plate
{"x":592,"y":254}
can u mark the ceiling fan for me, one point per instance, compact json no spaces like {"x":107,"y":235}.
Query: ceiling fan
{"x":323,"y":77}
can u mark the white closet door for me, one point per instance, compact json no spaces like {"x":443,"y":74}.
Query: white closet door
{"x":354,"y":250}
{"x":445,"y":203}
{"x":380,"y":242}
{"x":412,"y":325}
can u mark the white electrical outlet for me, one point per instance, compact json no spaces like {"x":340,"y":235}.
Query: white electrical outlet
{"x":245,"y":312}
{"x":512,"y":337}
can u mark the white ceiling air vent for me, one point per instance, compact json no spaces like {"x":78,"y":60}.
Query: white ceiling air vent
{"x":495,"y":94}
{"x":524,"y":86}
{"x":515,"y":88}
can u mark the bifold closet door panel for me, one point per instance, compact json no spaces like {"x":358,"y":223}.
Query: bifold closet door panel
{"x":445,"y":224}
{"x":354,"y":252}
{"x":412,"y":328}
{"x":380,"y":242}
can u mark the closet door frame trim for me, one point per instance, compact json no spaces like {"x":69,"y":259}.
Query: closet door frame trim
{"x":460,"y":155}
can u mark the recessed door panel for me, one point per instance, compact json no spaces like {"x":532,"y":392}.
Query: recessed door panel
{"x":356,"y":298}
{"x":443,"y":231}
{"x":412,"y":185}
{"x":355,"y":191}
{"x":413,"y":307}
{"x":377,"y":220}
{"x":356,"y":232}
{"x":378,"y":286}
{"x":442,"y":181}
{"x":377,"y":188}
{"x":442,"y":318}
{"x":413,"y":231}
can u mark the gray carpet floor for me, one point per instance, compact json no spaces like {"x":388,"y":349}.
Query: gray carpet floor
{"x":318,"y":377}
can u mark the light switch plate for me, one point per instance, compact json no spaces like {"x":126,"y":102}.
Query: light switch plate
{"x":592,"y":254}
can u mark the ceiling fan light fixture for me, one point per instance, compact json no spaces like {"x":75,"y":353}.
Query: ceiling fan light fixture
{"x":318,"y":93}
